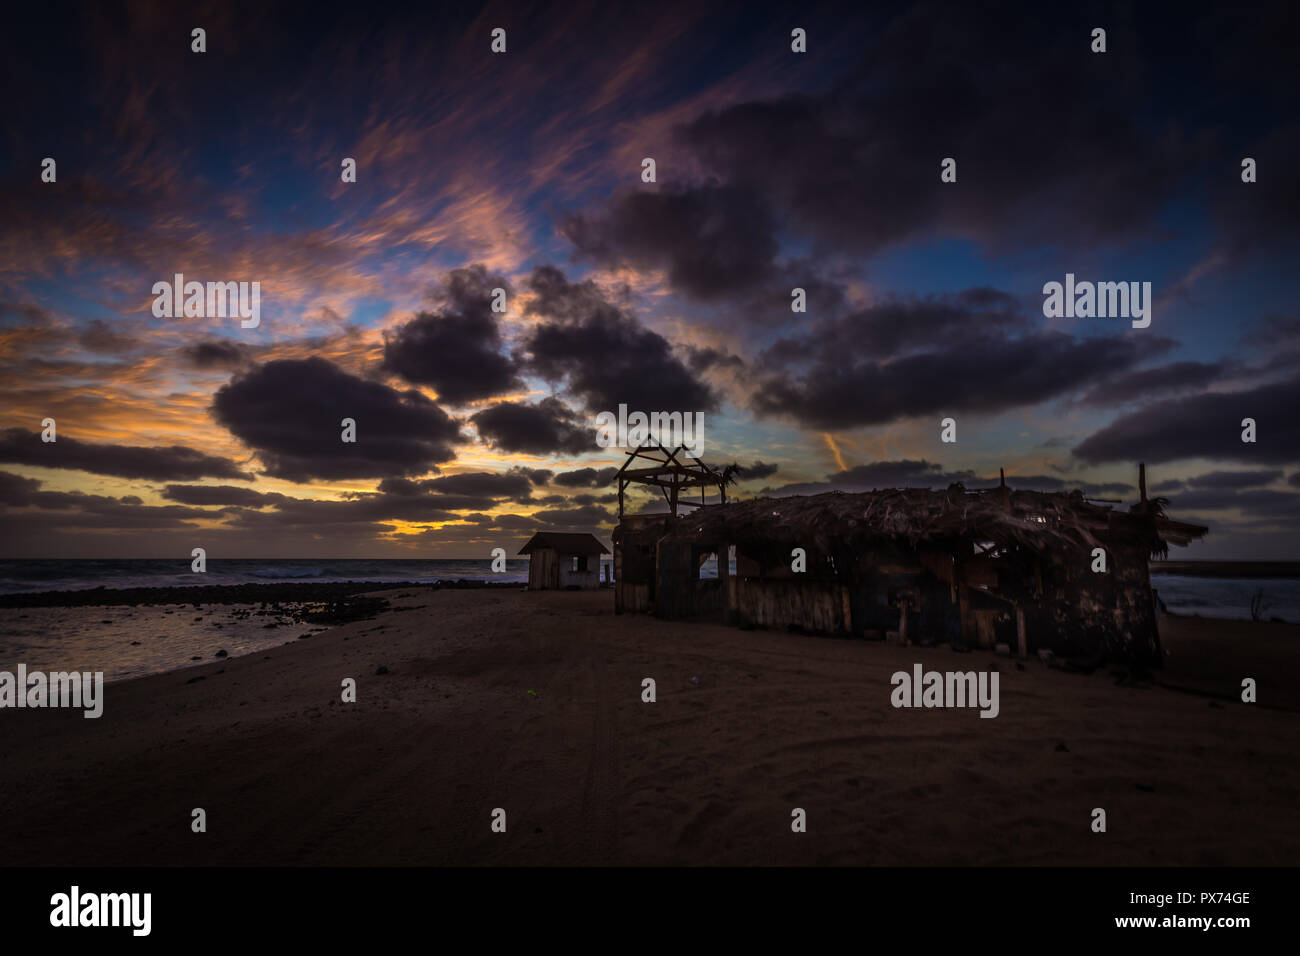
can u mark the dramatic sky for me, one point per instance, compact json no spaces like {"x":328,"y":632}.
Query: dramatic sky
{"x":522,"y":171}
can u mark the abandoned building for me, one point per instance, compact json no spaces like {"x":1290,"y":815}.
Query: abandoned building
{"x":558,"y":561}
{"x":636,"y":537}
{"x":972,"y":569}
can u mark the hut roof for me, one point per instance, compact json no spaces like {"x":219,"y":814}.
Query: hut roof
{"x":1038,"y":521}
{"x":564,"y":543}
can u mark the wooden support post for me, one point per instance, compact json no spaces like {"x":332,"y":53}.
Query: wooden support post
{"x":1142,"y":481}
{"x":724,"y":575}
{"x":902,"y":623}
{"x":1022,"y":638}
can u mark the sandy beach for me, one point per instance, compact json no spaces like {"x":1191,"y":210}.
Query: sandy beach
{"x":531,"y":702}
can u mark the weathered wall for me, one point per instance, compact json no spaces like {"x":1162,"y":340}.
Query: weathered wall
{"x":543,"y":567}
{"x":630,"y":598}
{"x":1097,"y":618}
{"x":675,"y":579}
{"x":635,"y":541}
{"x":775,"y":602}
{"x":548,"y":570}
{"x":578,"y":579}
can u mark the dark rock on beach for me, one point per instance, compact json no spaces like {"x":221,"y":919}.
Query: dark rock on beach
{"x":346,"y":611}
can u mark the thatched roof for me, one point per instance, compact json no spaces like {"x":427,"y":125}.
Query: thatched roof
{"x":1035,"y":520}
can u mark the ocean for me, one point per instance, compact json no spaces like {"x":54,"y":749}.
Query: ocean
{"x":1228,"y":598}
{"x":74,"y":575}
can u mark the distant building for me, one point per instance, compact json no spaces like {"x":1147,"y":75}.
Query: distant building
{"x":563,"y":561}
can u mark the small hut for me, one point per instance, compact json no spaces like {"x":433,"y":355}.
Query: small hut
{"x":563,"y":561}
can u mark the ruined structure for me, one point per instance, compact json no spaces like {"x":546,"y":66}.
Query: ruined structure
{"x":968,"y":568}
{"x":636,"y":537}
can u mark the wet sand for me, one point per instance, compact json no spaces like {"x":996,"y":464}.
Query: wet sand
{"x":531,"y":702}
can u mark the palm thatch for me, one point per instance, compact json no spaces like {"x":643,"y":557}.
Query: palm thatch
{"x":1036,"y":521}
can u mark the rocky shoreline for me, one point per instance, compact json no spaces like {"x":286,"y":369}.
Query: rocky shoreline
{"x":268,"y":593}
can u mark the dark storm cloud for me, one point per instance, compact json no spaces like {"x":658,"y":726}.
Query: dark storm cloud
{"x":555,"y":297}
{"x":477,"y":490}
{"x":586,"y":477}
{"x":1148,"y":382}
{"x":215,"y":353}
{"x":905,"y":326}
{"x":546,"y":428}
{"x":16,"y":489}
{"x":36,"y":526}
{"x":1054,"y":146}
{"x":889,"y":474}
{"x":858,"y":167}
{"x":1254,"y":216}
{"x":393,"y":486}
{"x":702,"y":360}
{"x":716,"y":244}
{"x":1274,"y":332}
{"x":483,"y":524}
{"x":405,"y":499}
{"x":440,"y":499}
{"x":581,"y":518}
{"x":758,"y":470}
{"x":171,"y":463}
{"x":604,"y":355}
{"x":906,"y":472}
{"x":361,"y":509}
{"x":538,"y":476}
{"x":513,"y":523}
{"x":593,"y":499}
{"x":482,"y":483}
{"x":1261,"y":503}
{"x":1236,"y":479}
{"x":290,"y":412}
{"x":969,"y":352}
{"x":456,"y":349}
{"x":711,"y":240}
{"x":221,"y":495}
{"x":1044,"y":133}
{"x":75,"y":509}
{"x":1205,"y":426}
{"x":920,"y":473}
